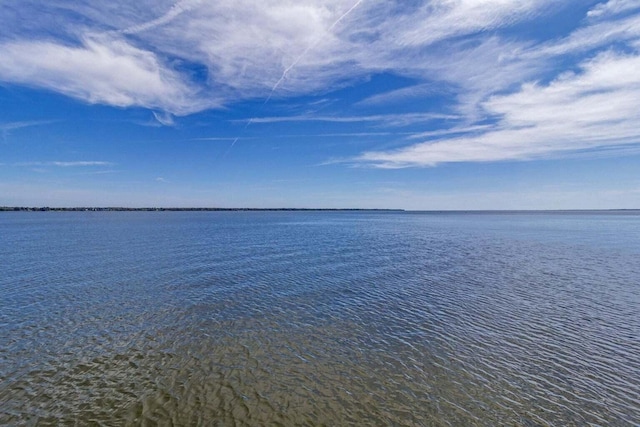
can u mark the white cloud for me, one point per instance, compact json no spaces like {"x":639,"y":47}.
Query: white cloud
{"x":145,"y":54}
{"x":102,"y":70}
{"x":417,"y":91}
{"x":597,"y":107}
{"x":129,"y":54}
{"x":451,"y":131}
{"x":176,"y":10}
{"x":81,"y":163}
{"x":9,"y":126}
{"x":439,"y":20}
{"x":613,"y":7}
{"x":164,"y":118}
{"x":66,"y":164}
{"x":387,"y":119}
{"x":593,"y":36}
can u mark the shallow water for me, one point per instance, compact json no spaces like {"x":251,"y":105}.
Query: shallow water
{"x":319,"y":318}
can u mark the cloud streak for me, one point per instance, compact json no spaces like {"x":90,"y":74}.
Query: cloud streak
{"x":66,"y":164}
{"x":613,"y":7}
{"x":9,"y":126}
{"x":387,"y":119}
{"x":176,"y":10}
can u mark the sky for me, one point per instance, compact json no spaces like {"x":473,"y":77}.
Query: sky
{"x":412,"y":104}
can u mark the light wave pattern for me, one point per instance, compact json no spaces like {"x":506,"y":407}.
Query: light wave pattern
{"x":318,"y":318}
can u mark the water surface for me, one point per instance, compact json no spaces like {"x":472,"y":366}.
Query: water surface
{"x":320,"y":318}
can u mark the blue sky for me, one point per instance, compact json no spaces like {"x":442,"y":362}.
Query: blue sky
{"x":442,"y":104}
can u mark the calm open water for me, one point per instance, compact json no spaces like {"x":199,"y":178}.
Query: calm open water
{"x":319,"y":318}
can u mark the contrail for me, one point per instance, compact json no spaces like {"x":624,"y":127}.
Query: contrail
{"x":290,"y":67}
{"x":176,"y":10}
{"x":230,"y":147}
{"x":311,"y":46}
{"x":344,"y":15}
{"x":237,"y":138}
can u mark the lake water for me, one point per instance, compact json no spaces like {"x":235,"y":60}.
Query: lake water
{"x":319,"y":318}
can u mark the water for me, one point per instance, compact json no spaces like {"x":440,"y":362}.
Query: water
{"x":319,"y":318}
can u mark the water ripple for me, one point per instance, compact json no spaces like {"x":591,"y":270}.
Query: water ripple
{"x":319,"y":319}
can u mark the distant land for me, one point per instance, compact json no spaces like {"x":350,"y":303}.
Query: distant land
{"x":122,"y":209}
{"x":195,"y":209}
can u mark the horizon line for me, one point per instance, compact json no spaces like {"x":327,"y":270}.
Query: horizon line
{"x":222,"y":209}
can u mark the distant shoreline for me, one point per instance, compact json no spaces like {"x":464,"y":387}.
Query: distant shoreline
{"x":121,"y":209}
{"x":169,"y":209}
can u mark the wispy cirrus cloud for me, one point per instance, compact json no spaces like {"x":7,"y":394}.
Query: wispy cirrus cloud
{"x":81,"y":163}
{"x":416,"y":91}
{"x":613,"y":7}
{"x":387,"y":119}
{"x":9,"y":126}
{"x":495,"y":84}
{"x":435,"y":21}
{"x":595,"y":107}
{"x":590,"y":103}
{"x":121,"y":54}
{"x":599,"y":34}
{"x":101,"y":70}
{"x":459,"y":130}
{"x":66,"y":164}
